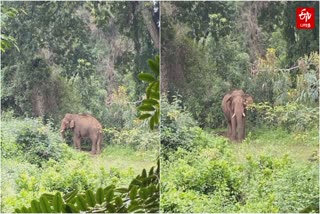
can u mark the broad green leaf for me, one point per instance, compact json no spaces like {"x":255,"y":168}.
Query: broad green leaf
{"x":152,"y":188}
{"x":35,"y":206}
{"x":111,"y":208}
{"x":57,"y":202}
{"x":122,"y":190}
{"x":44,"y":205}
{"x":151,"y":123}
{"x":143,"y":193}
{"x":146,"y":77}
{"x":90,"y":198}
{"x":150,"y":102}
{"x":144,"y":116}
{"x":67,"y":197}
{"x":134,"y":205}
{"x":17,"y":210}
{"x":133,"y":192}
{"x":144,"y":173}
{"x":154,"y":66}
{"x":25,"y":210}
{"x":109,"y":195}
{"x":48,"y":196}
{"x":70,"y":208}
{"x":151,"y":171}
{"x":155,"y":86}
{"x":82,"y":203}
{"x":156,"y":117}
{"x":108,"y":188}
{"x":155,"y":95}
{"x":149,"y":89}
{"x":118,"y":201}
{"x":146,"y":108}
{"x":99,"y":196}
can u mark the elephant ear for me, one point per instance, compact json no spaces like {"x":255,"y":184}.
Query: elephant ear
{"x":248,"y":100}
{"x":72,"y":123}
{"x":229,"y":102}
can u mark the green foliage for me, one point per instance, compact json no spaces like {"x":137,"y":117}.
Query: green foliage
{"x":142,"y":195}
{"x":126,"y":19}
{"x":7,"y":41}
{"x":209,"y":49}
{"x":150,"y":106}
{"x":72,"y":59}
{"x":210,"y":179}
{"x":177,"y":126}
{"x":36,"y":146}
{"x":31,"y":141}
{"x":292,"y":116}
{"x":138,"y":139}
{"x":63,"y":169}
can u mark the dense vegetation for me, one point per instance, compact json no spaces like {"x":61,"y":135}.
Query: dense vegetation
{"x":209,"y":49}
{"x":78,"y":57}
{"x":271,"y":171}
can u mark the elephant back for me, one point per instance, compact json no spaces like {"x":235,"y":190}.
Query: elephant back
{"x":90,"y":121}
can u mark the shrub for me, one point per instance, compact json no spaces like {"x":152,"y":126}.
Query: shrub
{"x":209,"y":179}
{"x":138,"y":139}
{"x":142,"y":195}
{"x":177,"y":126}
{"x":37,"y":145}
{"x":292,"y":116}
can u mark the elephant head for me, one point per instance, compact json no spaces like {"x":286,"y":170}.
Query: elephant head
{"x":66,"y":123}
{"x":234,"y":107}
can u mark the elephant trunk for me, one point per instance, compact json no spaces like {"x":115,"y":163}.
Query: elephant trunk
{"x":240,"y":117}
{"x":62,"y":134}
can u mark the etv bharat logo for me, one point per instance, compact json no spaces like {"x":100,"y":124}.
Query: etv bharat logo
{"x":305,"y":18}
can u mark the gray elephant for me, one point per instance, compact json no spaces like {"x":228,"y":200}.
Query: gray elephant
{"x":83,"y":126}
{"x":234,"y":108}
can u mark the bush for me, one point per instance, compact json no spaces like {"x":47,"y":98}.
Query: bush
{"x":138,"y":139}
{"x":37,"y":146}
{"x":177,"y":126}
{"x":30,"y":140}
{"x":142,"y":195}
{"x":208,"y":178}
{"x":292,"y":116}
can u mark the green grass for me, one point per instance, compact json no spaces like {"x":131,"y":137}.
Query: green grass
{"x":125,"y":157}
{"x":300,"y":147}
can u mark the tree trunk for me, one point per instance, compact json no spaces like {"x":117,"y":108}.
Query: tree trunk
{"x":151,"y":26}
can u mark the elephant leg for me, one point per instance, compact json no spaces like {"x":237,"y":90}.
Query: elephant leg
{"x":76,"y":141}
{"x":99,"y":143}
{"x":233,"y":129}
{"x":94,"y":144}
{"x":229,"y":129}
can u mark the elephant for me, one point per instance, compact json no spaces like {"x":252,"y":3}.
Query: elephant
{"x":234,"y":106}
{"x":83,"y":126}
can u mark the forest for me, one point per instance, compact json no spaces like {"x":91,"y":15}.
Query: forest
{"x":209,"y":49}
{"x":222,"y":96}
{"x":79,"y":58}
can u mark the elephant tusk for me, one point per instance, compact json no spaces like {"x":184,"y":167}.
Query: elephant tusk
{"x":244,"y":115}
{"x":61,"y":131}
{"x":233,"y":115}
